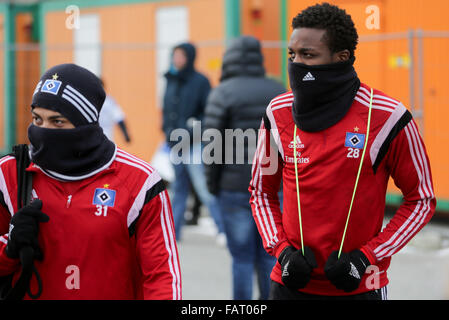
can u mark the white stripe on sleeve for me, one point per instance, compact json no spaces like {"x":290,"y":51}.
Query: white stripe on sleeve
{"x":138,"y":204}
{"x":422,"y":209}
{"x":169,"y":239}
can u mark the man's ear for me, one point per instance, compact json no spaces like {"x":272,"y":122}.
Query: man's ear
{"x":341,"y":56}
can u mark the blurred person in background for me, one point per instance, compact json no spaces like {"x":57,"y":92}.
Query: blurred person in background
{"x":183,"y":104}
{"x":239,"y":102}
{"x":111,"y":114}
{"x":329,"y":240}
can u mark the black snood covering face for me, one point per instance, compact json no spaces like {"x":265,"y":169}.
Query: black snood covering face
{"x":322,"y":93}
{"x":71,"y":154}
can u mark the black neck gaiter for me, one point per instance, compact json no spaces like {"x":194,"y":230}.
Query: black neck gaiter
{"x":71,"y":154}
{"x":322,"y":93}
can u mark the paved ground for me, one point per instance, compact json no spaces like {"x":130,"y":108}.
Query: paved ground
{"x":205,"y":265}
{"x":419,"y":271}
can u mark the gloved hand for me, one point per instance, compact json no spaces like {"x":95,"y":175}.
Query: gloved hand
{"x":346,"y":273}
{"x":296,"y":267}
{"x":24,"y":229}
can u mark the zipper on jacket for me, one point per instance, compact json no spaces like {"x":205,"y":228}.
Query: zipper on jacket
{"x":69,"y":200}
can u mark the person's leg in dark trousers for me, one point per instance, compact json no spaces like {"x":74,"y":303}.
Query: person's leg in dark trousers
{"x":181,"y":190}
{"x":195,"y":209}
{"x":238,"y":224}
{"x":264,"y":265}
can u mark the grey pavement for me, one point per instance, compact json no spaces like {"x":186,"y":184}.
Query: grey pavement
{"x":420,"y":271}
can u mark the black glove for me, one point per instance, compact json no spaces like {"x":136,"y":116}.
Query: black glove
{"x":24,"y":229}
{"x":296,"y":267}
{"x":346,"y":273}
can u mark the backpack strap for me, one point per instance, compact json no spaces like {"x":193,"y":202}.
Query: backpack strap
{"x":24,"y":178}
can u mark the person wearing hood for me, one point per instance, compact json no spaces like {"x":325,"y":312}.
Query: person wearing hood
{"x":183,"y":107}
{"x":239,"y":102}
{"x":339,"y":141}
{"x":100,"y":221}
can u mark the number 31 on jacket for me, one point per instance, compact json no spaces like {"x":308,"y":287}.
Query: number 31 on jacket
{"x":101,"y":211}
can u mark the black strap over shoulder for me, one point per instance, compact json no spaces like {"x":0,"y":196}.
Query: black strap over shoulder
{"x":24,"y":178}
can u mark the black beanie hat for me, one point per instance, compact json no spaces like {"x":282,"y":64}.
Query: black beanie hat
{"x":71,"y":90}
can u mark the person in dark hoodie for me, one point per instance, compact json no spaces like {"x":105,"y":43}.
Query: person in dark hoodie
{"x":183,"y":107}
{"x":239,"y":102}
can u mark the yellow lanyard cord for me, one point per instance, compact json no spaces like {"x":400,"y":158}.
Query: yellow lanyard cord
{"x":356,"y":181}
{"x":297,"y":190}
{"x":358,"y":173}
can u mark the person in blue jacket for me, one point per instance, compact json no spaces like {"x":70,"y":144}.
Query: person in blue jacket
{"x":183,"y":107}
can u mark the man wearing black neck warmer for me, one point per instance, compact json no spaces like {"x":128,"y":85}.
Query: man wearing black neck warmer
{"x":102,"y":224}
{"x":338,"y":142}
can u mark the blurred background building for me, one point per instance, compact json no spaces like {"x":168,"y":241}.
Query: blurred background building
{"x":403,"y":51}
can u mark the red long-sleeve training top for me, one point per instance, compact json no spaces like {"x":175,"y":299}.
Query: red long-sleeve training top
{"x":328,"y":162}
{"x":109,"y":236}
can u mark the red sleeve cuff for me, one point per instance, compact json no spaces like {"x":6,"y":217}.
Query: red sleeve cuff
{"x":280,"y":247}
{"x":369,"y":254}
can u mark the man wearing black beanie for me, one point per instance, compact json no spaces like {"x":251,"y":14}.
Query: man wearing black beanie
{"x":101,"y":221}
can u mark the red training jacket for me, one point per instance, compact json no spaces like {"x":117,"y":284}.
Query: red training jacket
{"x":328,"y":162}
{"x":109,"y":236}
